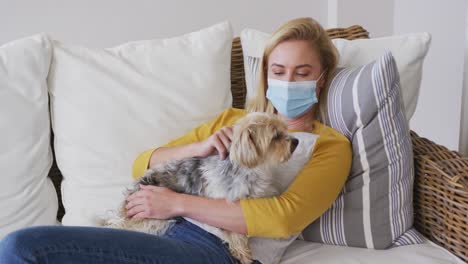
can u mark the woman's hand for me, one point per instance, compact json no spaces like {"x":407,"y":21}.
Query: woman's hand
{"x":219,"y":142}
{"x":153,"y":202}
{"x":163,"y":203}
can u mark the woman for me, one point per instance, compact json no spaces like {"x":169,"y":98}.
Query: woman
{"x":296,"y":68}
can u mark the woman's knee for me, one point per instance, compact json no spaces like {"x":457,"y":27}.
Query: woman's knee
{"x":18,"y":246}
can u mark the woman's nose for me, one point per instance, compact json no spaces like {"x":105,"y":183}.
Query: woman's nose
{"x":290,"y":77}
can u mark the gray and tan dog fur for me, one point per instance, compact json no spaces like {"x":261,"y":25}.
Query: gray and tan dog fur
{"x":260,"y":143}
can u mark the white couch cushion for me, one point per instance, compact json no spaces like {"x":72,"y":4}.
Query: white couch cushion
{"x":27,"y":196}
{"x":408,"y":50}
{"x":109,"y":105}
{"x":302,"y":252}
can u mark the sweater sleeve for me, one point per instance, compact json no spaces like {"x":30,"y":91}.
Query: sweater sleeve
{"x":310,"y":194}
{"x":202,"y":132}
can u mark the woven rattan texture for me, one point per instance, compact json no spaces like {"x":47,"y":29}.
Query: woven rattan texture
{"x":441,"y":195}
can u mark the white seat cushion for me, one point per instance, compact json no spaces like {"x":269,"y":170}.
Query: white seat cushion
{"x":302,"y":252}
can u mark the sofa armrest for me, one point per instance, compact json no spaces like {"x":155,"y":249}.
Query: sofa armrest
{"x":441,"y":195}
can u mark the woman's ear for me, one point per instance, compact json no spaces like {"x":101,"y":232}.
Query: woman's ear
{"x":320,"y":85}
{"x":322,"y":81}
{"x":244,"y":151}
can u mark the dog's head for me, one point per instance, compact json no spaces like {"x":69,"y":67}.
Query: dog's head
{"x":261,"y":138}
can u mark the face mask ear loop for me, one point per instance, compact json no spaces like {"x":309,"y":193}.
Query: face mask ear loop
{"x":320,"y":76}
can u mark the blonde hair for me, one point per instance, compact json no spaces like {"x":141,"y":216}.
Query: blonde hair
{"x":297,"y":29}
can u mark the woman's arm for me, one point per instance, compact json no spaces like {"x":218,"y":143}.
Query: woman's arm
{"x":309,"y":195}
{"x":219,"y":143}
{"x":163,"y":154}
{"x":216,"y":212}
{"x":307,"y":198}
{"x":185,"y":146}
{"x":163,"y":203}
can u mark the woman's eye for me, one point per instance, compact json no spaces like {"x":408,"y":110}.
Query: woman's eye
{"x":277,"y":73}
{"x":302,"y":74}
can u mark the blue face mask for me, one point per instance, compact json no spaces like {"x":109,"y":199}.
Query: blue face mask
{"x":292,"y":99}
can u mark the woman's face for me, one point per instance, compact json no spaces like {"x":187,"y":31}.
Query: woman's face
{"x":295,"y":61}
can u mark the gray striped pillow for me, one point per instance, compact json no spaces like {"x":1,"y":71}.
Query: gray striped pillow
{"x":375,"y":207}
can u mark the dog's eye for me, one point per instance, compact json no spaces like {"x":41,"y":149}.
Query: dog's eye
{"x":277,"y":137}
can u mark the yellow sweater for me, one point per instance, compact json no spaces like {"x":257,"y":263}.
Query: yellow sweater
{"x":310,"y":194}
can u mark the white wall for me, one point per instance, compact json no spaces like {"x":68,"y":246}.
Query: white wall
{"x":464,"y":112}
{"x":375,"y":16}
{"x":438,"y":115}
{"x":104,"y":23}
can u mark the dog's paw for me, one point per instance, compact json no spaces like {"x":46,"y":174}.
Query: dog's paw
{"x":110,"y":219}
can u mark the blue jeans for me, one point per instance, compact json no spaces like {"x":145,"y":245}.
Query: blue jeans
{"x":183,"y":243}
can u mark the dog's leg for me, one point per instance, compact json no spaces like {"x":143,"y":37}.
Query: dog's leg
{"x":238,"y":246}
{"x":120,"y":220}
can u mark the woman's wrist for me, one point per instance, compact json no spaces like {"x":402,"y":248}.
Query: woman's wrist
{"x":195,"y":149}
{"x":216,"y":212}
{"x":163,"y":154}
{"x":180,"y":204}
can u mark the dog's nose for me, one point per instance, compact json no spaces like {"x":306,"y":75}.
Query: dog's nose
{"x":294,"y":143}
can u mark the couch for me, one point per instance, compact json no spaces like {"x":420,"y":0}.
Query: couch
{"x":441,"y":175}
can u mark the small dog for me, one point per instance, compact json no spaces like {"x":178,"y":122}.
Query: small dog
{"x":260,"y":143}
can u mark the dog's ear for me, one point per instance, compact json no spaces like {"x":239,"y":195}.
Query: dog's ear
{"x":244,"y":150}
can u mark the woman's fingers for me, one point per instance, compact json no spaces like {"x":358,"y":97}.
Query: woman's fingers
{"x":218,"y":142}
{"x":225,"y":138}
{"x":138,"y":194}
{"x":222,"y":141}
{"x":133,"y":202}
{"x":149,"y":187}
{"x":220,"y":147}
{"x":228,"y":131}
{"x":153,"y":202}
{"x":145,"y":191}
{"x":141,"y":215}
{"x":136,"y":210}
